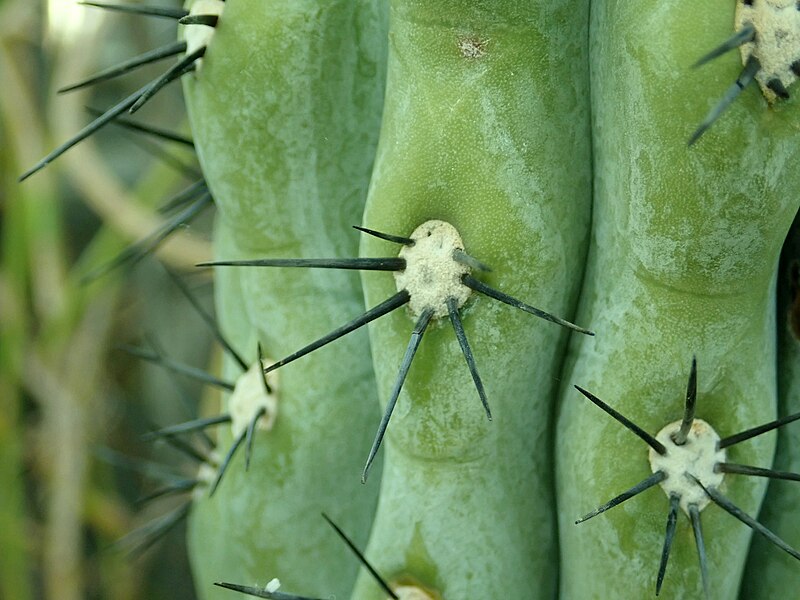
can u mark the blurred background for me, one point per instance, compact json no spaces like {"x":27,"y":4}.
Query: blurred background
{"x":73,"y":405}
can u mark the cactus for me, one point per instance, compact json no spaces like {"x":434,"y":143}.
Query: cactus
{"x":553,"y":212}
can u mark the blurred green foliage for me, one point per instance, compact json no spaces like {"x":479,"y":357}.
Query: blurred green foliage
{"x":67,"y":394}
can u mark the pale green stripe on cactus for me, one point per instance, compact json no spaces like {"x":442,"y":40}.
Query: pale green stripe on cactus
{"x":485,"y":127}
{"x":285,"y":110}
{"x":682,"y":262}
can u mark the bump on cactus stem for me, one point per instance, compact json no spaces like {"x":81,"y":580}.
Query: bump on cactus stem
{"x":768,"y":36}
{"x":689,"y":464}
{"x":432,"y":275}
{"x":249,"y":408}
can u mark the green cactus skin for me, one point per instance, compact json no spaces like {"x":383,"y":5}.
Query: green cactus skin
{"x":682,"y":260}
{"x":485,"y":127}
{"x":771,"y":574}
{"x":285,"y":111}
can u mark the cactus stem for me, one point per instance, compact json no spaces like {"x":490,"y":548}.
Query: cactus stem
{"x":411,"y":349}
